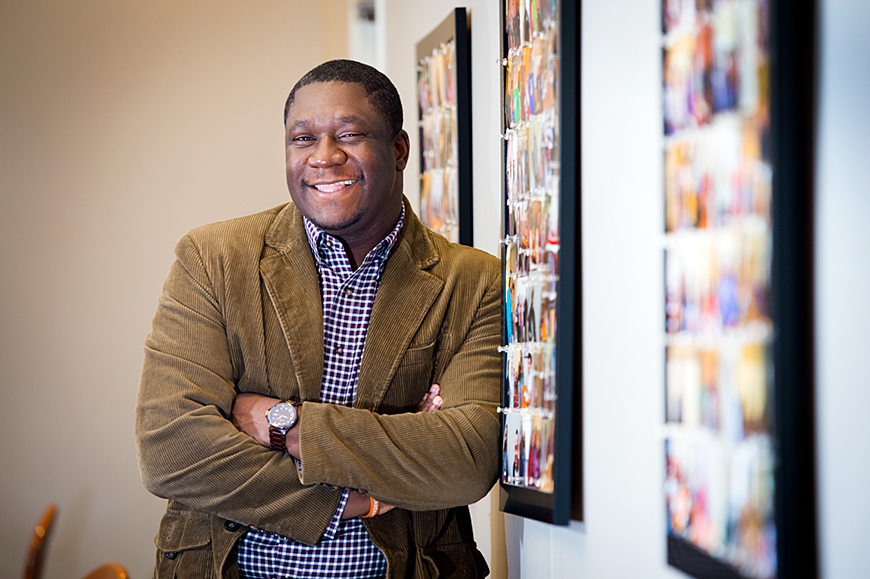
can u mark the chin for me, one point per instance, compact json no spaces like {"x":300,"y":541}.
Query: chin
{"x":335,"y":224}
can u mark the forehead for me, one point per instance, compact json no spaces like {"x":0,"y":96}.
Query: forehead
{"x":329,"y":101}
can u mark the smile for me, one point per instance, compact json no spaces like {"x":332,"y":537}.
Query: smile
{"x":334,"y":187}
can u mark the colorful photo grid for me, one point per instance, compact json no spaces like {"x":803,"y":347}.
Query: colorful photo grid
{"x":531,"y":243}
{"x":719,"y":375}
{"x":439,"y":178}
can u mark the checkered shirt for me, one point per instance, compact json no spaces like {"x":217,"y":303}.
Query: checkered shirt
{"x":345,"y":550}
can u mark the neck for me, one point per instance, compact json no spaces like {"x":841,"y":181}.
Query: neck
{"x":358,"y":247}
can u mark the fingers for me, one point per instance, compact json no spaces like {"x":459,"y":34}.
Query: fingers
{"x":431,"y":401}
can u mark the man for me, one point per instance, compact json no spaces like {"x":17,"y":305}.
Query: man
{"x":285,"y":405}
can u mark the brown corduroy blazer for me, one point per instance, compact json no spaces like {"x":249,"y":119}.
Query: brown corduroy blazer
{"x":241,"y":312}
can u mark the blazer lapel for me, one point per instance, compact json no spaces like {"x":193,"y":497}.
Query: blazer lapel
{"x":405,"y":294}
{"x":291,"y":280}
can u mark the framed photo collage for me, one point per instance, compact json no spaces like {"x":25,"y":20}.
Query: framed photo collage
{"x":539,"y":259}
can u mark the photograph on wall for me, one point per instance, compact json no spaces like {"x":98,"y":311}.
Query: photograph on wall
{"x":720,"y":433}
{"x":444,"y":120}
{"x":536,"y":386}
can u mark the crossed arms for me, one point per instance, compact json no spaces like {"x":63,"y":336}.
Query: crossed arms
{"x":191,"y":452}
{"x":250,"y":409}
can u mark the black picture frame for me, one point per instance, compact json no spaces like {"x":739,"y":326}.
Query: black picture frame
{"x":439,"y":99}
{"x":555,"y":497}
{"x":791,"y":30}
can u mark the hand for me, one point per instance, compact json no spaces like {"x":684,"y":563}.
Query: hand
{"x":249,"y":415}
{"x":431,"y":401}
{"x":358,"y":504}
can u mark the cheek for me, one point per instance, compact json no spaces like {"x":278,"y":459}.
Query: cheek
{"x":380,"y":167}
{"x":294,"y":165}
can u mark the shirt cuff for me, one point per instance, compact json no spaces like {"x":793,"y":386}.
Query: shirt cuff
{"x":332,"y":529}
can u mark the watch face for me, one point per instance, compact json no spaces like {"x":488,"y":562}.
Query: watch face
{"x":282,"y":415}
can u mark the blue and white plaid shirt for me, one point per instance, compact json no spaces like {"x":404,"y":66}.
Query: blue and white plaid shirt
{"x":345,"y":550}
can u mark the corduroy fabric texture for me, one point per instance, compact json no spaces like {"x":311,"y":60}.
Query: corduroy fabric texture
{"x":241,"y":311}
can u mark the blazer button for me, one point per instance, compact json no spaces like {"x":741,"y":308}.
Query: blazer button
{"x":171,"y":555}
{"x":231,"y":526}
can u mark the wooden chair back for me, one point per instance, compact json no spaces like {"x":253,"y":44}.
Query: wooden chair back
{"x":38,"y":544}
{"x":108,"y":571}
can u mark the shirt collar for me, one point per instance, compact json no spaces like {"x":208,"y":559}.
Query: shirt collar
{"x":321,"y":242}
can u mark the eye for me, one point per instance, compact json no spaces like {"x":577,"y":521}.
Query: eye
{"x":301,"y":139}
{"x":351,"y":135}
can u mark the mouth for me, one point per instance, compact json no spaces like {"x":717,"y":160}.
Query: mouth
{"x":333,"y":186}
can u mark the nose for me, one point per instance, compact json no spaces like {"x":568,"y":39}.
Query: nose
{"x":326,"y":153}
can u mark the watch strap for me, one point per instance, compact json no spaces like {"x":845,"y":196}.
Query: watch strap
{"x":278,"y":438}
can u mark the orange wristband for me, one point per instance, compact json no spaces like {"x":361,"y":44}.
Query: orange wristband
{"x":373,"y":509}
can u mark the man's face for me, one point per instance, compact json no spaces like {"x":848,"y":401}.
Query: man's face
{"x":344,"y":171}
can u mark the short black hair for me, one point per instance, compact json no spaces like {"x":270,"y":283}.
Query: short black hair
{"x":381,"y":92}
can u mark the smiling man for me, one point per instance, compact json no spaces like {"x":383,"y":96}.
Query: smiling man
{"x":319,"y":392}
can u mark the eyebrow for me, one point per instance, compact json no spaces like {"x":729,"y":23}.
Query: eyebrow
{"x":305,"y":123}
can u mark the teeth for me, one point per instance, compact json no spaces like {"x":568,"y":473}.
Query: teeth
{"x":333,"y":187}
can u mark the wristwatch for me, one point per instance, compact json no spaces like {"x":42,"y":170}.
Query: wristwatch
{"x":281,"y":417}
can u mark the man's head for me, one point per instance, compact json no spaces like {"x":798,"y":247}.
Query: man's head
{"x":380,"y":91}
{"x":345,"y":153}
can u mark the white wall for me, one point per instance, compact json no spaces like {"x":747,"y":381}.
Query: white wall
{"x":843,"y":289}
{"x":122,"y":125}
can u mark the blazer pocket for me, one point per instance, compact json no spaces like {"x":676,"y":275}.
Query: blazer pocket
{"x":416,"y":371}
{"x":184,"y":546}
{"x":433,"y":354}
{"x":415,"y":355}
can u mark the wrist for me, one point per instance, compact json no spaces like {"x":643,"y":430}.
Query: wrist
{"x":374,"y":508}
{"x":281,"y":417}
{"x":291,"y":437}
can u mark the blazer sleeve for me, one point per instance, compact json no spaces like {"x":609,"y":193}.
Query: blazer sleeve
{"x":423,"y":461}
{"x":187,"y":447}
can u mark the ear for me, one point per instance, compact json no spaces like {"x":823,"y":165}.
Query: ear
{"x":402,"y":144}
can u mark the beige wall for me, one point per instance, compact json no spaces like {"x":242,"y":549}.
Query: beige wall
{"x":122,"y":125}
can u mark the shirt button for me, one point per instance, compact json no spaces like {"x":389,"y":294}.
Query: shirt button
{"x":348,"y":291}
{"x":337,"y":349}
{"x":231,"y":526}
{"x":171,"y":555}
